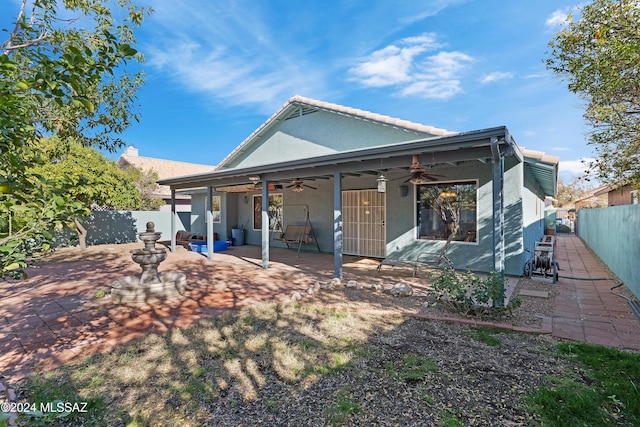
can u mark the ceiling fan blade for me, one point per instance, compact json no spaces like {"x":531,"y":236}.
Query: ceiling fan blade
{"x":308,"y":186}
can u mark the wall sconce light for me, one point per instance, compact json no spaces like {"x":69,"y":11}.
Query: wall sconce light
{"x":382,"y":184}
{"x":404,"y":190}
{"x":246,"y":199}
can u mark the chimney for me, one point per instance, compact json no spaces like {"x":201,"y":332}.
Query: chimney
{"x":131,"y":151}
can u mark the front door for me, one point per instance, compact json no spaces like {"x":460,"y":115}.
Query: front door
{"x":363,"y":222}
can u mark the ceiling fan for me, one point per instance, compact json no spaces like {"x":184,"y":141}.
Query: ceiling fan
{"x":257,"y":184}
{"x":298,"y":185}
{"x":418,"y":174}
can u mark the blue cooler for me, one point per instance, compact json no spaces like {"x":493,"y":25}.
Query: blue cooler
{"x":219,"y":245}
{"x":201,"y":247}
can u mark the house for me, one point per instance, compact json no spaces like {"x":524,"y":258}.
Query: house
{"x":164,"y":169}
{"x":595,"y":198}
{"x":373,"y":185}
{"x":616,"y":195}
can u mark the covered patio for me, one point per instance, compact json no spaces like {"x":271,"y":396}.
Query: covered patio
{"x":462,"y":151}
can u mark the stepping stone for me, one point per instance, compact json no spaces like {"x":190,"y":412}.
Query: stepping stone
{"x":537,"y":294}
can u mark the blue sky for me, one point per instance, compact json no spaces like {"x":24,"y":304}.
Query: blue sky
{"x":218,"y":69}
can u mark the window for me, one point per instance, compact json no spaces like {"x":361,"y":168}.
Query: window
{"x":215,"y":208}
{"x":275,"y":212}
{"x":447,"y":210}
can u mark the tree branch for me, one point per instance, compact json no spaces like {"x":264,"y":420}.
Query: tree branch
{"x":8,"y":46}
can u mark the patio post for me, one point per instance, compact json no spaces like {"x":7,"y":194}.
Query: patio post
{"x":210,"y":241}
{"x":265,"y":224}
{"x":337,"y":224}
{"x":173,"y":220}
{"x":498,"y":212}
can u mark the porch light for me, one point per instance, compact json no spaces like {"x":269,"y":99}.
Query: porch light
{"x":382,"y":184}
{"x":254,"y":178}
{"x":298,"y":188}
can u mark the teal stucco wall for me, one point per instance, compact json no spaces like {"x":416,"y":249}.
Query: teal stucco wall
{"x":228,"y":214}
{"x":317,"y":134}
{"x":106,"y":227}
{"x":400,"y":216}
{"x":612,"y":233}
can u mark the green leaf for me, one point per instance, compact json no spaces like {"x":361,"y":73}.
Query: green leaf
{"x":13,"y":266}
{"x":87,"y":104}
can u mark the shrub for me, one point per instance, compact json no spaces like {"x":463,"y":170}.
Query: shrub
{"x":470,"y":294}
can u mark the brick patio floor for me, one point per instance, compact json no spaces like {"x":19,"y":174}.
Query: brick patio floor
{"x":585,"y":309}
{"x":54,"y":317}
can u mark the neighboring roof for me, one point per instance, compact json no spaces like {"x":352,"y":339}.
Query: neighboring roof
{"x":609,"y":188}
{"x":594,"y":198}
{"x":544,"y":168}
{"x":299,"y":105}
{"x":164,"y":168}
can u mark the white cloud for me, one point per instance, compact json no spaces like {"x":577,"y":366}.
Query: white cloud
{"x":574,"y":167}
{"x":561,"y":149}
{"x":407,"y":68}
{"x":231,"y":78}
{"x":496,"y":76}
{"x":417,"y":11}
{"x":445,"y":65}
{"x":557,"y":18}
{"x":231,"y":54}
{"x":388,"y":66}
{"x":443,"y":89}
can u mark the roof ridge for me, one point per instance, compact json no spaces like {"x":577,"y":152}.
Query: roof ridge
{"x":126,"y":157}
{"x":369,"y":115}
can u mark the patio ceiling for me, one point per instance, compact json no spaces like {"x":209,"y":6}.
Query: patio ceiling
{"x":544,"y":169}
{"x":467,"y":146}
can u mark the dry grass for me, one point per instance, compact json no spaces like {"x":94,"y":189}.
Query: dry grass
{"x":305,"y":364}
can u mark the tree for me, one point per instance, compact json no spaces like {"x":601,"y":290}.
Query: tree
{"x":599,"y":56}
{"x":145,"y":182}
{"x":98,"y":181}
{"x":65,"y":78}
{"x":569,"y":192}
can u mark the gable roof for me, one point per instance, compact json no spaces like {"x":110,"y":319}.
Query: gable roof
{"x":300,"y":106}
{"x":164,"y":168}
{"x":451,"y":147}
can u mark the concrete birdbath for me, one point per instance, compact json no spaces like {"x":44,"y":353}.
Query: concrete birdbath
{"x":150,"y":286}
